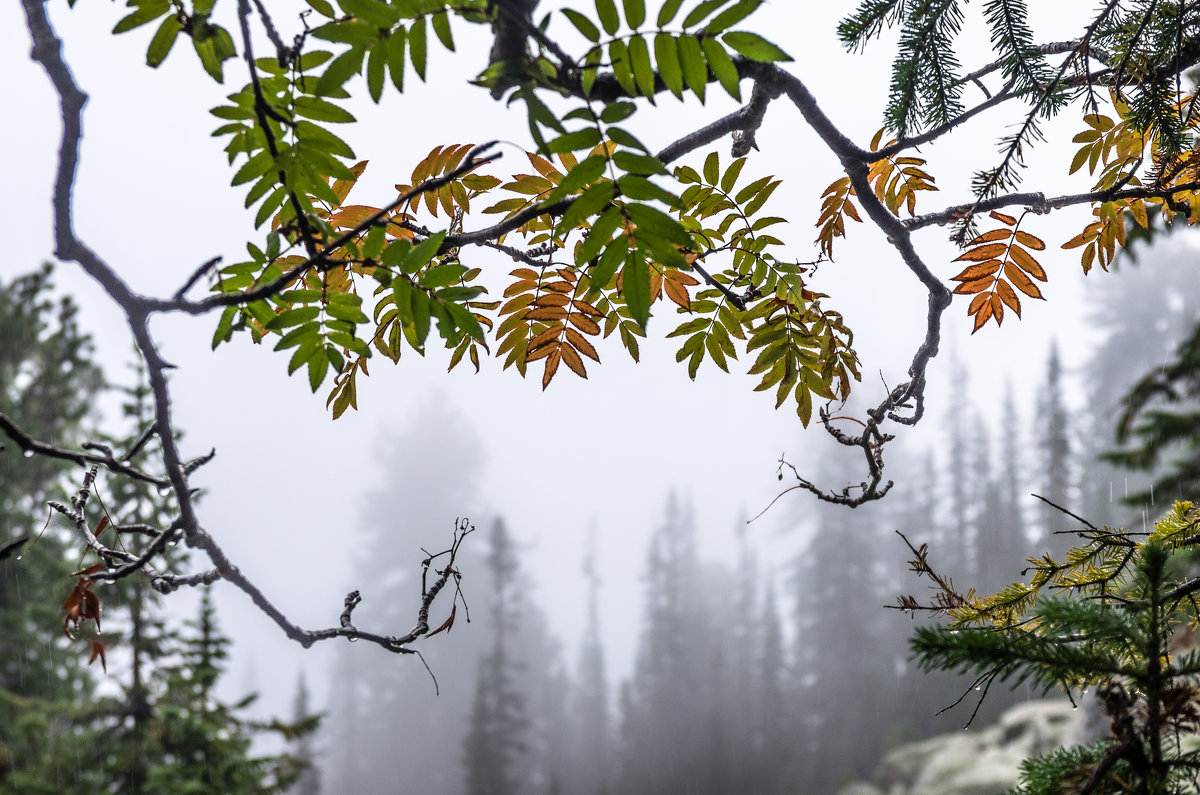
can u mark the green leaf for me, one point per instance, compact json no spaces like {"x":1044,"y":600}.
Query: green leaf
{"x":635,"y":288}
{"x":584,"y":25}
{"x":416,"y":46}
{"x":732,"y":15}
{"x":441,"y":26}
{"x":164,"y":39}
{"x":343,"y":67}
{"x":350,"y":314}
{"x":618,"y":54}
{"x":638,"y":164}
{"x":376,"y":68}
{"x":668,"y":11}
{"x":635,"y":13}
{"x":584,"y":173}
{"x":614,"y":254}
{"x":395,"y":46}
{"x":442,"y":276}
{"x":572,"y":141}
{"x":666,"y":53}
{"x":464,"y":320}
{"x":599,"y":235}
{"x":294,"y":317}
{"x":224,"y":330}
{"x":319,"y":109}
{"x":587,"y":205}
{"x":712,"y":168}
{"x":356,"y":33}
{"x":722,"y":66}
{"x":639,"y":60}
{"x":617,"y":111}
{"x":422,"y":253}
{"x":318,"y":366}
{"x":214,"y":46}
{"x":731,"y":176}
{"x":642,"y":189}
{"x":695,"y":68}
{"x":700,"y":12}
{"x":754,"y":47}
{"x":606,"y":10}
{"x":379,"y":15}
{"x":657,"y":223}
{"x":145,"y":14}
{"x":322,"y":7}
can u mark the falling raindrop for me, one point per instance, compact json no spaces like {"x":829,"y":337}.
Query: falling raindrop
{"x":1110,"y":491}
{"x":1151,"y":493}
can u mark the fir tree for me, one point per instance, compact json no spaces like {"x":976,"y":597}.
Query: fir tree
{"x":1053,"y":427}
{"x":496,"y":741}
{"x":592,"y":743}
{"x":303,"y":748}
{"x":47,"y":385}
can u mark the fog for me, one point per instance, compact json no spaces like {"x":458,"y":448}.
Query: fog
{"x":311,"y":508}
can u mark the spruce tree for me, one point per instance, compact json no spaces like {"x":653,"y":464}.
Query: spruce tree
{"x":591,"y":755}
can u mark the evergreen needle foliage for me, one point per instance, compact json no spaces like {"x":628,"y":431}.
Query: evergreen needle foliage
{"x":1126,"y":632}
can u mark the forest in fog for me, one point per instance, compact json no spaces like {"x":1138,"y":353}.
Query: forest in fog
{"x":751,"y":675}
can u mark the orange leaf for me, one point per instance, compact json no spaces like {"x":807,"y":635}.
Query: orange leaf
{"x":977,"y":302}
{"x":584,"y":306}
{"x":983,"y":252}
{"x":1009,"y":296}
{"x":973,"y":272}
{"x":1032,"y":241}
{"x":977,"y":286}
{"x":992,"y":235}
{"x":1028,"y":264}
{"x":982,"y":316}
{"x":1002,"y":218}
{"x":352,"y":215}
{"x":997,"y":308}
{"x":1021,"y":281}
{"x":551,"y":299}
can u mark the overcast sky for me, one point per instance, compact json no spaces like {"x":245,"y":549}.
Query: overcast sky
{"x":152,"y":198}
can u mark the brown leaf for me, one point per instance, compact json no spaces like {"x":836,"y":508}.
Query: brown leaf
{"x":572,"y":360}
{"x":546,"y":313}
{"x":584,"y":323}
{"x":1002,"y":218}
{"x":582,"y":345}
{"x":551,"y":367}
{"x":997,"y":308}
{"x":447,"y":624}
{"x":977,"y":302}
{"x":98,"y":651}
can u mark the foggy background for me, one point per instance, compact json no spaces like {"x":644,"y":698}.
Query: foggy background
{"x":310,"y":508}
